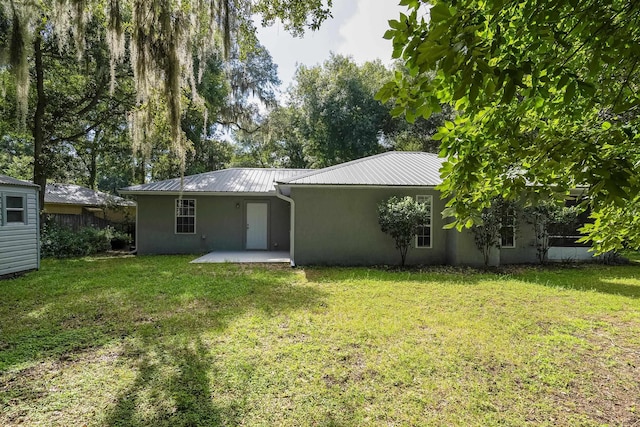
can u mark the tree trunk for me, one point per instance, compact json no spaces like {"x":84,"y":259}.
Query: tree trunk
{"x":92,"y":171}
{"x":139,"y":173}
{"x":403,"y":255}
{"x":93,"y":166}
{"x":39,"y":166}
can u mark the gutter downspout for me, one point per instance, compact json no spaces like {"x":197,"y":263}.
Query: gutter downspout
{"x":292,"y":224}
{"x":38,"y":226}
{"x":138,"y":227}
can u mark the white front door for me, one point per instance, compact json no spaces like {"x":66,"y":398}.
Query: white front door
{"x":257,"y":222}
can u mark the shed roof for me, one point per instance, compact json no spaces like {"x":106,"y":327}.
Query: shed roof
{"x":234,"y":180}
{"x":393,"y":168}
{"x":72,"y":194}
{"x":7,"y":180}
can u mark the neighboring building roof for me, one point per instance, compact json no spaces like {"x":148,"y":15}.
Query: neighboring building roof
{"x":234,"y":180}
{"x":71,"y":194}
{"x":394,"y":168}
{"x":7,"y":180}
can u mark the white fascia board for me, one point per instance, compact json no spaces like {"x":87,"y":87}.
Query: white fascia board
{"x":196,"y":193}
{"x":433,"y":187}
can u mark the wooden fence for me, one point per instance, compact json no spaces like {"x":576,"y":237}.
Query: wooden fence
{"x":76,"y":222}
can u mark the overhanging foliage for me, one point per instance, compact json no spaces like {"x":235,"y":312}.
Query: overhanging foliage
{"x":547,"y":96}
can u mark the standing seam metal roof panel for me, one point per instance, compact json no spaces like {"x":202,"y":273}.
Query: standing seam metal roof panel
{"x":394,"y":168}
{"x":234,"y":180}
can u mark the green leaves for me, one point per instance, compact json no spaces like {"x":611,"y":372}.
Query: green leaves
{"x":401,"y":218}
{"x":440,"y":11}
{"x":570,"y":92}
{"x":540,"y":100}
{"x":339,"y":117}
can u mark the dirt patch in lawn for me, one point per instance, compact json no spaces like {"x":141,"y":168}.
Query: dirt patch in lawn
{"x":606,"y":388}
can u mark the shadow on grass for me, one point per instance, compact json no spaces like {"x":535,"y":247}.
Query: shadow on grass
{"x":156,"y":309}
{"x":442,"y":274}
{"x":621,"y":280}
{"x":172,"y":388}
{"x":74,"y":305}
{"x":612,"y":280}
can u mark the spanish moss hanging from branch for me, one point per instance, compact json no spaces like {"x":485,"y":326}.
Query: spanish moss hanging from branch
{"x":166,"y":41}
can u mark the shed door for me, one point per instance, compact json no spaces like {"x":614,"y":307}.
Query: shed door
{"x":257,"y":225}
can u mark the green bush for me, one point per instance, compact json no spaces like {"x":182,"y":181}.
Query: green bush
{"x":63,"y":242}
{"x":401,"y":218}
{"x":120,"y":240}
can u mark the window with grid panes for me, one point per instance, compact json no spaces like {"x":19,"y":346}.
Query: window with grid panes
{"x":508,"y":230}
{"x":185,"y":216}
{"x":423,"y":236}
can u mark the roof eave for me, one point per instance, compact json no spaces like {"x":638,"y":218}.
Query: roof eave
{"x":25,"y":185}
{"x":358,"y":185}
{"x":94,"y":205}
{"x":195,"y":193}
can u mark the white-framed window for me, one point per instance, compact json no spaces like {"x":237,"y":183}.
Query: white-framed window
{"x":15,"y":211}
{"x":185,"y":216}
{"x":508,"y":229}
{"x":423,"y":236}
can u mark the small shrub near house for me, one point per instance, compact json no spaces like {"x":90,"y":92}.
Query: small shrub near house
{"x":487,"y":233}
{"x":63,"y":242}
{"x":401,"y":218}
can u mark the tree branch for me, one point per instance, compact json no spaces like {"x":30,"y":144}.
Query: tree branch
{"x":239,"y":126}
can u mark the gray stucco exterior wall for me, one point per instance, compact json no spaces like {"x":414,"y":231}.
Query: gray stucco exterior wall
{"x":463,"y":251}
{"x":19,"y":242}
{"x":339,"y":226}
{"x":220,"y":224}
{"x":525,"y":250}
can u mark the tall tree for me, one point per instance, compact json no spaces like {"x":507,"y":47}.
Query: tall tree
{"x":278,"y":141}
{"x":341,"y":120}
{"x":331,"y":116}
{"x":71,"y":105}
{"x":166,"y":40}
{"x":232,"y":93}
{"x":547,"y":94}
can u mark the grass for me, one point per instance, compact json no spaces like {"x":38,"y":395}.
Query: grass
{"x":155,"y":341}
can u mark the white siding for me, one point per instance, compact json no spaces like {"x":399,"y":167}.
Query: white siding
{"x":19,"y":243}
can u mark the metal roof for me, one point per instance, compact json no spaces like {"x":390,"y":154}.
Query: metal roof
{"x":394,"y":168}
{"x":7,"y":180}
{"x":234,"y":180}
{"x":72,"y":194}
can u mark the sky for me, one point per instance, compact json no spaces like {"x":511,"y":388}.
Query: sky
{"x":356,"y":29}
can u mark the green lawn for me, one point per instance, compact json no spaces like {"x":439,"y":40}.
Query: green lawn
{"x":157,"y":341}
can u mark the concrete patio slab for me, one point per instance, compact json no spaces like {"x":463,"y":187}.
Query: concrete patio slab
{"x":244,"y":257}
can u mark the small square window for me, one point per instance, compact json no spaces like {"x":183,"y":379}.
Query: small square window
{"x":15,"y":212}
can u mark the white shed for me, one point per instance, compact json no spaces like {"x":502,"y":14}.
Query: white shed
{"x":19,"y":226}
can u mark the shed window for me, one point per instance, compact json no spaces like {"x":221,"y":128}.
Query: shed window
{"x":508,"y":230}
{"x":185,"y":216}
{"x":423,"y":236}
{"x":15,"y":210}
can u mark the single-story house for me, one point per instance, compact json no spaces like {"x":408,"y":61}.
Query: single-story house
{"x":71,"y":199}
{"x":19,"y":227}
{"x":227,"y":210}
{"x":324,"y":216}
